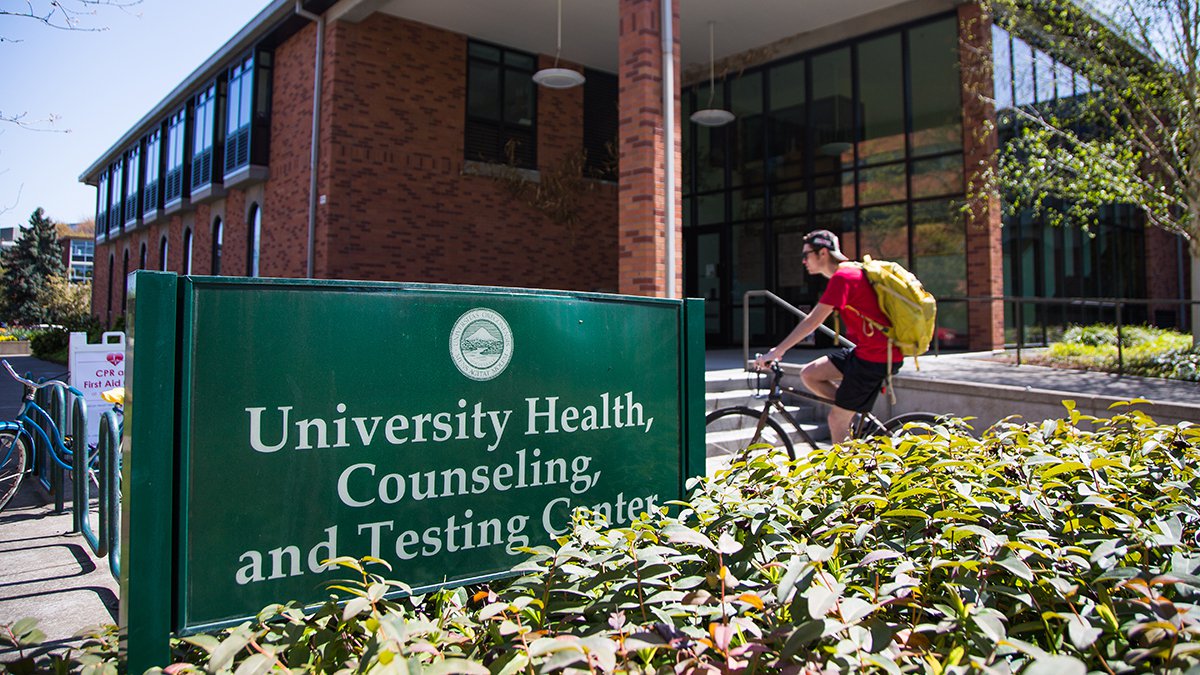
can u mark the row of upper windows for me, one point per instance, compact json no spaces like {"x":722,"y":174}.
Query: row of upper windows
{"x":1025,"y":75}
{"x":217,"y":134}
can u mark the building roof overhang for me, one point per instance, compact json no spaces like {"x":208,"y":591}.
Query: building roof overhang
{"x":589,"y":38}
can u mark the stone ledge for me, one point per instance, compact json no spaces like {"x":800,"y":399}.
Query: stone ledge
{"x":14,"y":348}
{"x":989,"y":403}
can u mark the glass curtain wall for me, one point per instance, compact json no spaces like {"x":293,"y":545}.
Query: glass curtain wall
{"x":1042,"y":261}
{"x":863,"y":138}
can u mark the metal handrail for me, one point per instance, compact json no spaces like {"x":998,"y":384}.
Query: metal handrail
{"x":1116,"y":304}
{"x":786,"y":305}
{"x":1018,"y":302}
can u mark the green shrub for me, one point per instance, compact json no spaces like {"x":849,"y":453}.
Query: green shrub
{"x":49,"y":343}
{"x":1147,"y":351}
{"x":1062,"y":547}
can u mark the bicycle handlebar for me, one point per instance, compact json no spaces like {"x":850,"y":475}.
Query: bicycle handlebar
{"x":34,"y":385}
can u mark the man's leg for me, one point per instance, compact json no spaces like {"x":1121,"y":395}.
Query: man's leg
{"x":839,"y":423}
{"x":821,"y":377}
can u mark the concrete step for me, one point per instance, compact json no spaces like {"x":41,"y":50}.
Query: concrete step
{"x":732,"y":378}
{"x":726,"y":437}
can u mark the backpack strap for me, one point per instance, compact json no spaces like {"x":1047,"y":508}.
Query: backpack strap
{"x":874,"y":325}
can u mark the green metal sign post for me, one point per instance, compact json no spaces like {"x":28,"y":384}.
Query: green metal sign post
{"x":436,"y":427}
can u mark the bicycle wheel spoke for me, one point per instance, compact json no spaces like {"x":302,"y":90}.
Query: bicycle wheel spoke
{"x":13,"y":460}
{"x":732,"y":431}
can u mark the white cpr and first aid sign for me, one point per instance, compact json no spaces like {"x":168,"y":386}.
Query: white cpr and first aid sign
{"x":96,"y":368}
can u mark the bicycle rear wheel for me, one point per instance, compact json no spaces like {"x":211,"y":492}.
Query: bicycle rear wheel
{"x":729,"y":431}
{"x":13,"y":461}
{"x":898,"y":425}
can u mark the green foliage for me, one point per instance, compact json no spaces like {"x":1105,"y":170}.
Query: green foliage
{"x":1133,"y":138}
{"x":1147,"y":351}
{"x":29,"y":267}
{"x":51,"y":345}
{"x":1038,"y":548}
{"x":22,"y":643}
{"x":68,"y":304}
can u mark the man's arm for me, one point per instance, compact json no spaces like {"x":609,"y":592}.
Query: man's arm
{"x":802,"y":330}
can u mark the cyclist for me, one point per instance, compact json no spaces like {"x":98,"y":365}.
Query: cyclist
{"x":861,"y":370}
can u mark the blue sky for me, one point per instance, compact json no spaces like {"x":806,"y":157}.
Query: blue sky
{"x":98,"y":84}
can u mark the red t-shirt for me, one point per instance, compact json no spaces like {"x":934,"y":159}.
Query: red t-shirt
{"x":849,"y":286}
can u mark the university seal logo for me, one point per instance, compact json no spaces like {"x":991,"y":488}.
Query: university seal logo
{"x":481,"y":344}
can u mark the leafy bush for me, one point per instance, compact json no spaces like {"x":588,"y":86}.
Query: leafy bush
{"x":1147,"y":351}
{"x":49,"y":344}
{"x":1063,"y":547}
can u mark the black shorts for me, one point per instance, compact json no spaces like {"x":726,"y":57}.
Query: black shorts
{"x":861,"y":380}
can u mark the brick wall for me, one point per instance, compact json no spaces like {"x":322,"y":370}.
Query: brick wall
{"x":985,"y":261}
{"x":643,"y":249}
{"x":1162,"y":273}
{"x":285,"y":205}
{"x":399,"y":205}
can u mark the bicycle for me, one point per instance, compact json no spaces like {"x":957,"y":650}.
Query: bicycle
{"x":17,"y":440}
{"x":734,"y":429}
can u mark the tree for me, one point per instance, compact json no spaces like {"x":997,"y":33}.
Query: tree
{"x":68,"y":303}
{"x":1133,"y":138}
{"x":30,"y":267}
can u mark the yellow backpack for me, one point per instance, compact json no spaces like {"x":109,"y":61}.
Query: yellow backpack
{"x":911,"y":309}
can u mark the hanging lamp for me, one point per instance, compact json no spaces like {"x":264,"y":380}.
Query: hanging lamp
{"x":710,"y":116}
{"x":558,"y":78}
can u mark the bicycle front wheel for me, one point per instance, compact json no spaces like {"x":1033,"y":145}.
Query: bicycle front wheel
{"x":13,"y":461}
{"x":729,"y":431}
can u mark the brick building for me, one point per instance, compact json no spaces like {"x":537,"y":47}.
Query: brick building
{"x":437,"y":158}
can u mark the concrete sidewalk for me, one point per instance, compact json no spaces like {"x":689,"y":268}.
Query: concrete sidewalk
{"x":46,"y":571}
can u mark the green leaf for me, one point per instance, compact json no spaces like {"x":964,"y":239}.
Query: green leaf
{"x":455,"y":667}
{"x":222,"y":657}
{"x":906,"y":513}
{"x":804,"y":634}
{"x":1016,"y":566}
{"x":727,"y":545}
{"x":255,"y":664}
{"x":1081,"y":632}
{"x":990,"y":625}
{"x":822,"y":599}
{"x":1056,"y":665}
{"x":678,"y":534}
{"x":1064,"y":467}
{"x":206,"y":642}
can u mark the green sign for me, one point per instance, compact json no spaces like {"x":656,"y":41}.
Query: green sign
{"x":436,"y":427}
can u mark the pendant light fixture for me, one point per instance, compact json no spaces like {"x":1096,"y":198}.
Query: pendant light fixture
{"x":710,"y":116}
{"x":558,"y":78}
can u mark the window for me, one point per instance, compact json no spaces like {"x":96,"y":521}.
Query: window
{"x":173,"y":189}
{"x":142,"y":257}
{"x":501,"y":106}
{"x":253,"y":241}
{"x":114,"y":198}
{"x":124,"y":281}
{"x":162,"y":253}
{"x":600,"y":122}
{"x":112,"y":269}
{"x":239,"y":114}
{"x":204,"y":136}
{"x":102,"y":204}
{"x":187,"y":251}
{"x":936,"y":88}
{"x":133,"y":174}
{"x":83,"y":250}
{"x":217,"y":233}
{"x":150,"y":193}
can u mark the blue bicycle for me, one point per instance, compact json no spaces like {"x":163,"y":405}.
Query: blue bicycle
{"x":34,"y":427}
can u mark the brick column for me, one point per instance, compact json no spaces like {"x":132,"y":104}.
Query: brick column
{"x":985,"y":259}
{"x":642,"y":244}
